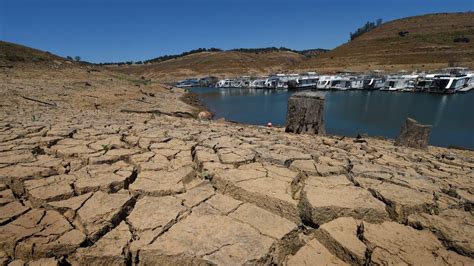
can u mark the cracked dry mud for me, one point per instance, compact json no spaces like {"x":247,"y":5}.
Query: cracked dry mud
{"x":102,"y":187}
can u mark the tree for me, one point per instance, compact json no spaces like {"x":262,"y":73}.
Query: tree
{"x":78,"y":58}
{"x":366,"y":28}
{"x":69,"y":58}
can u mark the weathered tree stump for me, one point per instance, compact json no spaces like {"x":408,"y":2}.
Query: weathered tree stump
{"x":306,"y":113}
{"x":414,"y":135}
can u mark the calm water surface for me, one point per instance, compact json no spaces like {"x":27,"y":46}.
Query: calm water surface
{"x":351,"y":112}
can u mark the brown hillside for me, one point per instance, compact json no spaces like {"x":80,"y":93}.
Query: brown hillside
{"x":428,"y":43}
{"x":14,"y":53}
{"x":217,"y":63}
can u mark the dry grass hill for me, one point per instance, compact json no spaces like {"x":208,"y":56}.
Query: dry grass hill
{"x":15,"y":53}
{"x":422,"y":42}
{"x":230,"y":63}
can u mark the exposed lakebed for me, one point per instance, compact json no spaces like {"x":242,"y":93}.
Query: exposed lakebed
{"x":349,"y":113}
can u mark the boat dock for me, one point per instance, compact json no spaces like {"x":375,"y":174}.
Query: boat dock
{"x":447,"y":81}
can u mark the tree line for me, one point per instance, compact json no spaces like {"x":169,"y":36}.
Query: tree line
{"x":365,"y":28}
{"x":309,"y":53}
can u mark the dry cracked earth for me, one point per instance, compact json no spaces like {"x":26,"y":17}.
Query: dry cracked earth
{"x":112,"y":188}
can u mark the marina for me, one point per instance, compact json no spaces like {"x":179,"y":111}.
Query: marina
{"x":446,"y":81}
{"x":349,"y":113}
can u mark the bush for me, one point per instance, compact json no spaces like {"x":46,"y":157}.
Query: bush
{"x":403,"y":33}
{"x":462,"y":39}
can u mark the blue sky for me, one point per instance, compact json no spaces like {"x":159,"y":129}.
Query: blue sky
{"x":122,"y":30}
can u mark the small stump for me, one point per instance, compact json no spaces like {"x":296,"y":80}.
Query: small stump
{"x":414,"y":135}
{"x":306,"y":113}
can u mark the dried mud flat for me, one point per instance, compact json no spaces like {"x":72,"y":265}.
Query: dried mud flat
{"x":99,"y":186}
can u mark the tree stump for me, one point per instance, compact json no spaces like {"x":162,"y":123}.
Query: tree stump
{"x":306,"y":113}
{"x":414,"y":135}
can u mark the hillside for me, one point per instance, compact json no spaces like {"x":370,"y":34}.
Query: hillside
{"x":15,"y":53}
{"x":423,"y":42}
{"x":229,"y":63}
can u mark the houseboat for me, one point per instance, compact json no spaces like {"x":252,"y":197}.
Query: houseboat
{"x":448,"y":83}
{"x":258,"y":84}
{"x":340,"y":83}
{"x":373,"y":83}
{"x":188,"y":83}
{"x":307,"y":80}
{"x":469,"y":83}
{"x":400,"y":83}
{"x":324,"y":82}
{"x":224,"y":83}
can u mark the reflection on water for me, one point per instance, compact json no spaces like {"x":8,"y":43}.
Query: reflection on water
{"x":351,"y":112}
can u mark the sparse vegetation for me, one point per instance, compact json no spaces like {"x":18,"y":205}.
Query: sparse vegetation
{"x":105,"y":148}
{"x":308,"y":53}
{"x":168,"y":57}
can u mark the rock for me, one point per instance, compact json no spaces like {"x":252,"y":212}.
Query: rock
{"x":224,"y":203}
{"x":102,"y":212}
{"x":69,"y":207}
{"x":14,"y":157}
{"x":39,"y":234}
{"x":251,"y":185}
{"x":11,"y":211}
{"x":327,"y":198}
{"x":236,"y":156}
{"x":17,"y":263}
{"x":6,"y":196}
{"x":205,"y":115}
{"x":111,"y":249}
{"x":44,"y":262}
{"x":151,"y":217}
{"x":393,"y":243}
{"x":340,"y":237}
{"x":403,"y":201}
{"x":162,"y":183}
{"x":197,"y":194}
{"x":307,"y":166}
{"x":455,"y":228}
{"x":54,"y":188}
{"x":305,"y":113}
{"x":267,"y":223}
{"x":414,"y":135}
{"x":314,"y":252}
{"x":15,"y":175}
{"x":195,"y":240}
{"x":110,"y":178}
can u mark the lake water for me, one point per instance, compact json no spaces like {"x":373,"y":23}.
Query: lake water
{"x":349,"y":113}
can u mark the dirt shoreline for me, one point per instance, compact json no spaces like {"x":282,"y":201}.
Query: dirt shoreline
{"x":192,"y":99}
{"x":118,"y":166}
